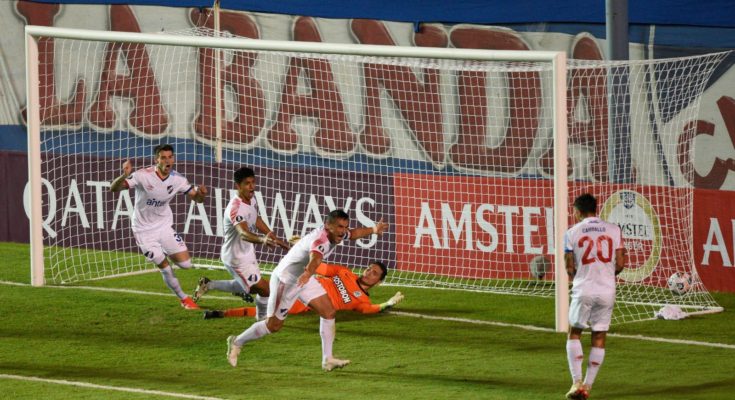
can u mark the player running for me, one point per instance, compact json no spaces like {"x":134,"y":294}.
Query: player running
{"x":152,"y":224}
{"x":293,"y":280}
{"x":242,"y":220}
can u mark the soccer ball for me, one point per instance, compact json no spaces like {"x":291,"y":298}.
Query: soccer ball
{"x":539,"y":267}
{"x":680,"y":282}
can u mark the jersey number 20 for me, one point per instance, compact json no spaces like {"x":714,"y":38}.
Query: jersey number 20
{"x":602,"y":248}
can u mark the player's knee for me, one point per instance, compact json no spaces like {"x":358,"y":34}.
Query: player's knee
{"x":184,"y":264}
{"x":328,"y":314}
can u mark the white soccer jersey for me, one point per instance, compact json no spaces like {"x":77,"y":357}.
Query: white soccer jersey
{"x":293,"y":263}
{"x":236,"y":251}
{"x":593,"y":242}
{"x":152,"y":195}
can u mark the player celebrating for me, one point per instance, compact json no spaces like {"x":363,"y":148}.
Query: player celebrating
{"x":152,"y":224}
{"x":346,"y":291}
{"x":238,"y":252}
{"x":293,"y":280}
{"x":594,"y":255}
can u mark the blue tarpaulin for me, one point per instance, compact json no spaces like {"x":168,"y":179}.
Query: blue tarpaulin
{"x":704,"y":13}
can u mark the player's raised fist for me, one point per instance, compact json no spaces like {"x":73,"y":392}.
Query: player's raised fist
{"x":127,"y":168}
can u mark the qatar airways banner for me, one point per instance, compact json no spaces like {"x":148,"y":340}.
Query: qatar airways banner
{"x":80,"y":211}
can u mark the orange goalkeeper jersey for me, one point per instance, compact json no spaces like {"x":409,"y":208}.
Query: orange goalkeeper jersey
{"x":343,"y":290}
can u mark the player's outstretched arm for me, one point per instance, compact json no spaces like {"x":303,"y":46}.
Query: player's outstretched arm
{"x":199,"y":194}
{"x":270,"y":239}
{"x":397,"y":298}
{"x":119,"y":183}
{"x":378,"y":229}
{"x":252,"y":237}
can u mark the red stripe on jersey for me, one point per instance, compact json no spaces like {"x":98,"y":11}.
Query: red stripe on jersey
{"x":235,"y":208}
{"x":320,"y":242}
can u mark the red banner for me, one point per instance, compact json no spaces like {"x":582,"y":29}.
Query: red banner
{"x":714,"y":242}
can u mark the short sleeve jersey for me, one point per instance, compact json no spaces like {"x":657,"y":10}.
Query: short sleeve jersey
{"x":343,"y":290}
{"x":235,"y":250}
{"x":293,"y":263}
{"x":593,"y":243}
{"x":152,"y":197}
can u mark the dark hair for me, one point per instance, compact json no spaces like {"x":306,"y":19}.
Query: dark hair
{"x":382,"y":268}
{"x":337,"y":214}
{"x":586,"y":204}
{"x":243,"y":173}
{"x":163,"y":147}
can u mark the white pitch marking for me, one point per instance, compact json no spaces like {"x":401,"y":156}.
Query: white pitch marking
{"x":414,"y":315}
{"x":105,"y":387}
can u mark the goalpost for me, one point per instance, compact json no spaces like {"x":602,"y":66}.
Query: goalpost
{"x":464,"y":152}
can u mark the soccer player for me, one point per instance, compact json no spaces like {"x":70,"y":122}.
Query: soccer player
{"x":346,"y":291}
{"x":293,"y":280}
{"x":152,"y":224}
{"x":594,"y":256}
{"x":238,"y":253}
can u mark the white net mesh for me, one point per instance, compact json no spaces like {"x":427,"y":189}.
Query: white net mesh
{"x":455,"y":155}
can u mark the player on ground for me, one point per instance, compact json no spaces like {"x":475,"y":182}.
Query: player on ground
{"x":346,"y":291}
{"x":238,"y":253}
{"x":293,"y":280}
{"x":594,"y":255}
{"x":152,"y":224}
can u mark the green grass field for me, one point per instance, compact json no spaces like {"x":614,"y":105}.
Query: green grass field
{"x":136,"y":342}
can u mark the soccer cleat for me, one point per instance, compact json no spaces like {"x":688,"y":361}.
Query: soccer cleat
{"x":332,"y":363}
{"x":210,"y":314}
{"x":202,"y":287}
{"x":578,"y":391}
{"x":189,"y":304}
{"x":246,"y":297}
{"x":233,"y":351}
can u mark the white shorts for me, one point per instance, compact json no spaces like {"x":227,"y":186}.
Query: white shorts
{"x":284,"y":295}
{"x":158,"y":243}
{"x":246,"y":274}
{"x":592,"y":312}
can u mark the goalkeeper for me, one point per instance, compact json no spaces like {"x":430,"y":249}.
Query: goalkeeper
{"x":345,"y":289}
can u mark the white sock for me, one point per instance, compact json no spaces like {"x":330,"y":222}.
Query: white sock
{"x":261,"y":307}
{"x":170,"y":279}
{"x":255,"y":332}
{"x":597,"y":354}
{"x":327,"y":330}
{"x":231,"y":286}
{"x":575,"y":356}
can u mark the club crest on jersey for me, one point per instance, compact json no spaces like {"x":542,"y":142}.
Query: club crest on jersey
{"x":149,"y":187}
{"x":169,"y":189}
{"x":357,"y":293}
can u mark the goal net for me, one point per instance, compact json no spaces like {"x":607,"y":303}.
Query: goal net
{"x":455,"y":149}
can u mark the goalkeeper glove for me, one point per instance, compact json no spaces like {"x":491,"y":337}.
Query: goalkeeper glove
{"x":397,"y":298}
